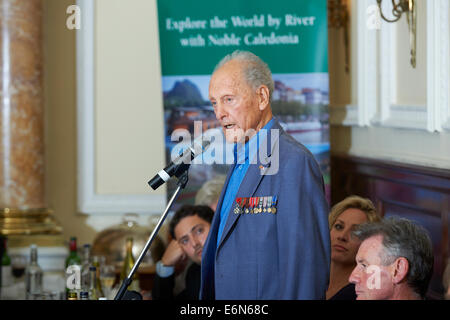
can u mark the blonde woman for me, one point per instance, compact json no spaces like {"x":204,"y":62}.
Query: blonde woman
{"x":343,"y":218}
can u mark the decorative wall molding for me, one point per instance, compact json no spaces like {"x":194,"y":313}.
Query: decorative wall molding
{"x":405,"y":117}
{"x":366,"y":68}
{"x":446,"y":125}
{"x":376,"y":84}
{"x":390,"y":113}
{"x":89,"y":201}
{"x":387,"y":47}
{"x":438,"y":39}
{"x":401,"y":117}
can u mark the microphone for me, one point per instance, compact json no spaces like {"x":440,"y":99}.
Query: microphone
{"x":180,"y":164}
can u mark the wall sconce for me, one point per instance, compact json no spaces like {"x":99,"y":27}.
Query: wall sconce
{"x":338,"y":17}
{"x":408,"y":7}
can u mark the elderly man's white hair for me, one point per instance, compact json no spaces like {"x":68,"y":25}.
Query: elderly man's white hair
{"x":256,"y":71}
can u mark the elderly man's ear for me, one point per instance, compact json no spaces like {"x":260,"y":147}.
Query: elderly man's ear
{"x":264,"y":97}
{"x":400,"y":269}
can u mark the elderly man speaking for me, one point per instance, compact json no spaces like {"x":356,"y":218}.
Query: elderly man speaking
{"x":269,"y":238}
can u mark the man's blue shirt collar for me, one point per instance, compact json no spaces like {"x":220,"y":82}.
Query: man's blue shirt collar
{"x":242,"y":153}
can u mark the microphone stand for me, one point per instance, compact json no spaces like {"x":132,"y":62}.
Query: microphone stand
{"x":123,"y":293}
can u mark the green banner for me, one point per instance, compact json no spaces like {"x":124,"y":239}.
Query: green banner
{"x":291,"y":36}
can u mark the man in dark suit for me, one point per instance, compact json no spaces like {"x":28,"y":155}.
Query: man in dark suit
{"x":188,"y":229}
{"x":269,"y":238}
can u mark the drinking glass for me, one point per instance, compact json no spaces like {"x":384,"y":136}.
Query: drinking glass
{"x":45,"y":295}
{"x":18,"y":265}
{"x":107,"y":278}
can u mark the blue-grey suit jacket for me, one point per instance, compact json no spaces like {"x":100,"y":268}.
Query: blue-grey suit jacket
{"x":272,"y":256}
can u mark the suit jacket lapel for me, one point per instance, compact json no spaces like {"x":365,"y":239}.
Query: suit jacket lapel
{"x":252,"y":180}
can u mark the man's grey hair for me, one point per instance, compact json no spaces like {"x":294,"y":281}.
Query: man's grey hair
{"x":210,"y":191}
{"x":403,"y":238}
{"x":256,"y":71}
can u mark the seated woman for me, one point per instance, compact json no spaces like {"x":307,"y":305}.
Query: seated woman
{"x":343,"y":218}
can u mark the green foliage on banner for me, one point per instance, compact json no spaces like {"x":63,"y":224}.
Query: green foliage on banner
{"x":288,"y":35}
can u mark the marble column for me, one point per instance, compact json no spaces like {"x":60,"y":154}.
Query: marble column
{"x":23,"y":207}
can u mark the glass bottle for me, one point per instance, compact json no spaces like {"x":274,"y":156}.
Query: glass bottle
{"x":93,"y":293}
{"x":86,"y":263}
{"x":98,"y":284}
{"x":73,"y":260}
{"x":84,"y":295}
{"x":6,"y":265}
{"x":33,"y":274}
{"x":128,"y":265}
{"x":72,"y":296}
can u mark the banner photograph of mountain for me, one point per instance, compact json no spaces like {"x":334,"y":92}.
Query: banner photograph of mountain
{"x":299,"y":102}
{"x":184,"y":93}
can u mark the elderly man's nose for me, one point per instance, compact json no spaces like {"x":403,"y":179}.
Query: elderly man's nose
{"x":220,"y":111}
{"x":219,"y":115}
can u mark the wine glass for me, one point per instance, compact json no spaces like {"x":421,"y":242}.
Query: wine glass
{"x":107,"y":278}
{"x":18,"y":265}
